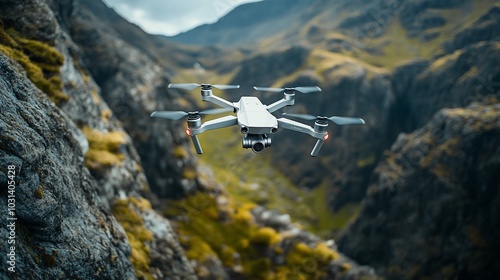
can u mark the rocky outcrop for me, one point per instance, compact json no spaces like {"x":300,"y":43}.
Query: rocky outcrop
{"x":433,"y":209}
{"x":62,"y":229}
{"x":134,"y":86}
{"x":455,"y":79}
{"x":79,"y":184}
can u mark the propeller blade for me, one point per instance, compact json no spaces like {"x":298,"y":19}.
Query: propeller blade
{"x":301,"y":116}
{"x":224,"y":87}
{"x":184,"y":86}
{"x":346,"y":120}
{"x":216,"y":111}
{"x":297,"y":89}
{"x":307,"y":89}
{"x":171,"y":115}
{"x":269,"y":89}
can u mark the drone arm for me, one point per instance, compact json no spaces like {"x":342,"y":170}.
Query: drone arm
{"x":288,"y":100}
{"x":300,"y":127}
{"x":217,"y":101}
{"x":215,"y":124}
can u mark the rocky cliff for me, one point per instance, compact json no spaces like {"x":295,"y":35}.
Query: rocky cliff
{"x":433,"y":208}
{"x":79,"y":184}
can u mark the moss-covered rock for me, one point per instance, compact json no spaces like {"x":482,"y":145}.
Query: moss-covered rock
{"x":41,"y":62}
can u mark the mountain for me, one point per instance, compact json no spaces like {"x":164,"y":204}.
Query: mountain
{"x":257,"y":20}
{"x":95,"y":189}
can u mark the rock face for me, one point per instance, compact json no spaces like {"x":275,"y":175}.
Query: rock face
{"x":433,"y":209}
{"x":134,"y":86}
{"x":62,"y":230}
{"x":79,"y":183}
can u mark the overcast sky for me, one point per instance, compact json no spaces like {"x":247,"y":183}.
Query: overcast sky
{"x":172,"y":16}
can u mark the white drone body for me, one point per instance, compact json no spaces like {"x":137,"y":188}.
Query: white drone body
{"x":255,"y":119}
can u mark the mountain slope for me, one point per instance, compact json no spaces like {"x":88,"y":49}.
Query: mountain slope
{"x":257,"y":21}
{"x":432,"y":210}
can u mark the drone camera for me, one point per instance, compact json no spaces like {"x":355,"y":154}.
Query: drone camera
{"x":244,"y":129}
{"x":257,"y":142}
{"x":274,"y":130}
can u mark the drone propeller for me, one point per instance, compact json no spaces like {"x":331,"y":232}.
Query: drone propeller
{"x":298,"y":89}
{"x":204,"y":86}
{"x":177,"y":115}
{"x":334,"y":119}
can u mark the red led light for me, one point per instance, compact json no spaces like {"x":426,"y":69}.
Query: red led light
{"x":188,"y":131}
{"x":326,"y":137}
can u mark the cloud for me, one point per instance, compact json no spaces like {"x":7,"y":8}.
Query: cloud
{"x":172,"y":17}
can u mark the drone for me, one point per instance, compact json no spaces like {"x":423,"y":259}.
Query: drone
{"x":256,"y":121}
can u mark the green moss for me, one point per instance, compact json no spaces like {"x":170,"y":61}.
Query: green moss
{"x":103,"y":149}
{"x":180,"y":152}
{"x":313,"y":261}
{"x":49,"y":259}
{"x":366,"y":161}
{"x":265,"y":236}
{"x":258,"y":269}
{"x":328,"y":220}
{"x":237,"y":241}
{"x":126,"y":212}
{"x":189,"y":173}
{"x":203,"y":234}
{"x":39,"y":192}
{"x":40,"y":61}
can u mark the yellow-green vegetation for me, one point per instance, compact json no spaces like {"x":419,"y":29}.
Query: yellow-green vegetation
{"x":127,"y":213}
{"x":265,"y":236}
{"x":398,"y":47}
{"x":49,"y":259}
{"x":104,"y":148}
{"x":39,"y":192}
{"x":41,"y":62}
{"x":228,"y":232}
{"x":251,"y":178}
{"x":311,"y":259}
{"x":180,"y":152}
{"x":365,"y":161}
{"x":328,"y":221}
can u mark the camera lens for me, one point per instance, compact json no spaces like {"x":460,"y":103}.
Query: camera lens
{"x":258,"y":147}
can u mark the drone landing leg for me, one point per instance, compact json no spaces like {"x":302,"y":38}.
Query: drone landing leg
{"x":196,"y":144}
{"x":317,"y":147}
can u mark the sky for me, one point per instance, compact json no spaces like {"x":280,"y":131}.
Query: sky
{"x":172,"y":16}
